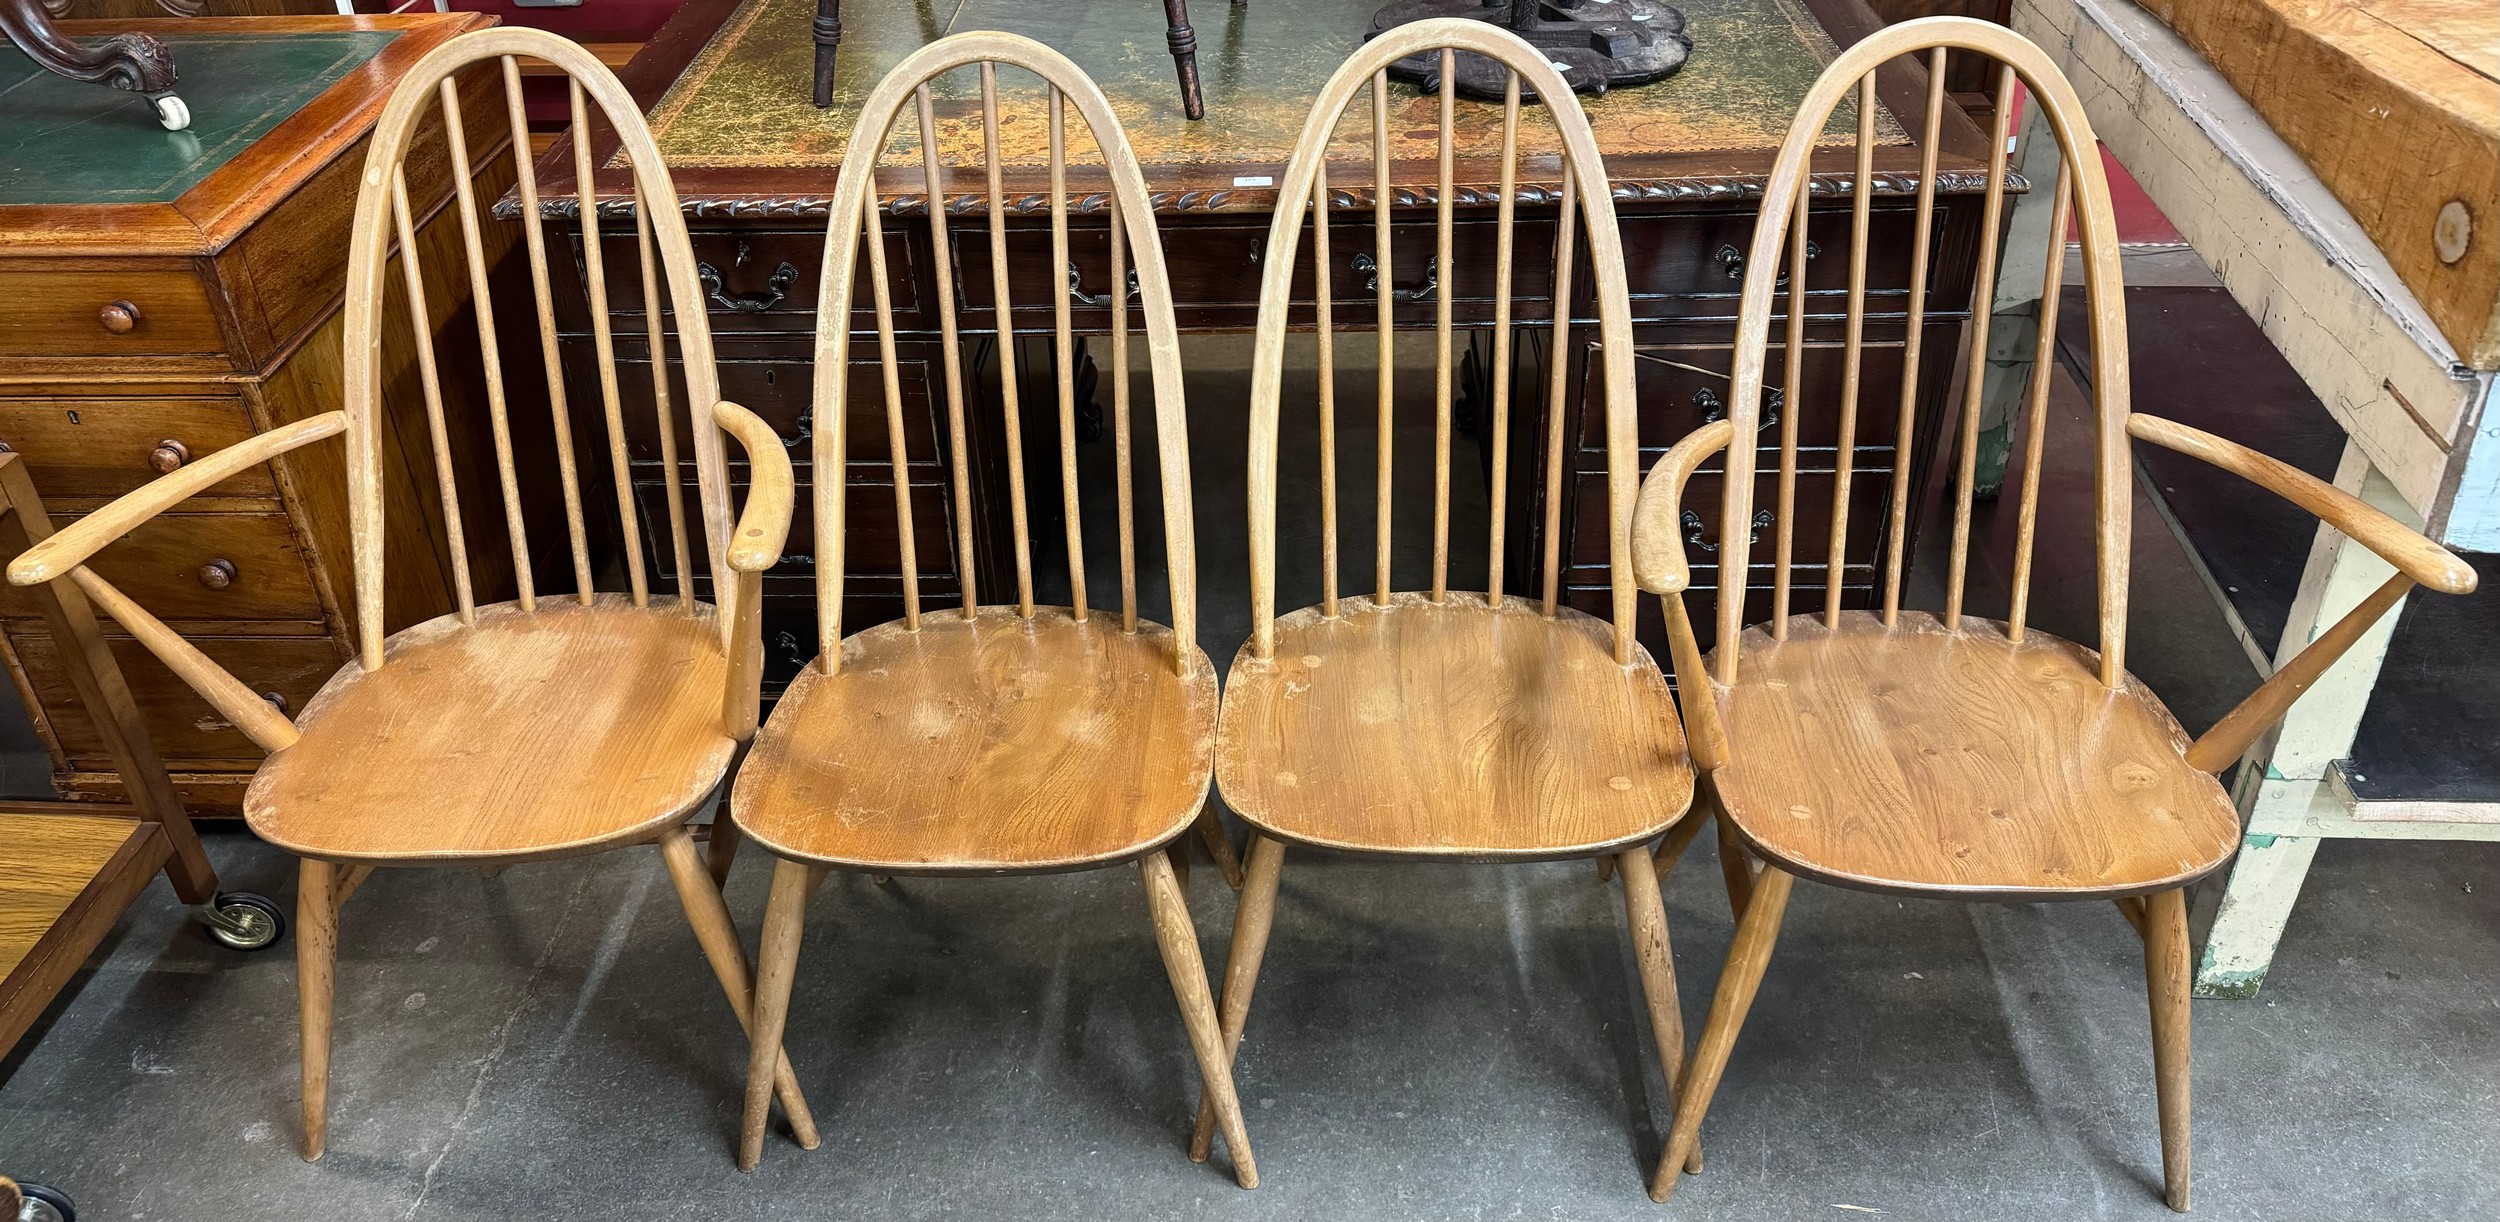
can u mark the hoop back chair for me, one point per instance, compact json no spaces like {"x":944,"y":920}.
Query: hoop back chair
{"x":1011,"y":738}
{"x":1448,"y":725}
{"x":1945,"y":754}
{"x":543,"y":727}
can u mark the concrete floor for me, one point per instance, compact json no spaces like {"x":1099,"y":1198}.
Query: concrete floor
{"x":1429,"y":1042}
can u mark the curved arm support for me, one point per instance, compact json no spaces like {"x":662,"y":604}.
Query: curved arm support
{"x":1657,"y":547}
{"x":764,"y":525}
{"x":71,"y":546}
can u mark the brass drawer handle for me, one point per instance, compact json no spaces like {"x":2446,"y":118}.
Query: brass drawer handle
{"x":168,"y":456}
{"x":1714,"y":410}
{"x":219,"y":573}
{"x":1734,"y":260}
{"x":774,"y":290}
{"x":120,"y":317}
{"x":1076,"y":287}
{"x":1693,"y":527}
{"x":1369,"y":268}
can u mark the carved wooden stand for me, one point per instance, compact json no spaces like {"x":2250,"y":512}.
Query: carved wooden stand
{"x":1177,"y":34}
{"x":136,"y":62}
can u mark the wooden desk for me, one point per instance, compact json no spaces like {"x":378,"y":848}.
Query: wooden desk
{"x":164,"y":295}
{"x":754,"y":161}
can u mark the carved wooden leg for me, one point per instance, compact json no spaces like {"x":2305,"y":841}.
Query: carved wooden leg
{"x":1178,"y":938}
{"x":776,"y":967}
{"x":719,"y":939}
{"x":1756,"y":932}
{"x":2166,"y":980}
{"x":316,"y":955}
{"x":828,"y":33}
{"x":1646,"y":911}
{"x":136,"y":62}
{"x":1251,"y":923}
{"x":1184,"y":43}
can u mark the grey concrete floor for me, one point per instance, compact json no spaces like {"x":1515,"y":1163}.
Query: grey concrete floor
{"x":1429,"y":1042}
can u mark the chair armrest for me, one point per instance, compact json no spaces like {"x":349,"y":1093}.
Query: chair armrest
{"x":764,"y":525}
{"x":1657,"y":546}
{"x":73,"y":544}
{"x":2400,"y":545}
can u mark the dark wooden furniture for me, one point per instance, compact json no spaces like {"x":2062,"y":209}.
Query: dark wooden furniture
{"x":826,"y":32}
{"x":160,"y":302}
{"x":134,"y":61}
{"x":1687,"y":157}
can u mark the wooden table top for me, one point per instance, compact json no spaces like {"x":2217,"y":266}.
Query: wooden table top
{"x":726,"y":86}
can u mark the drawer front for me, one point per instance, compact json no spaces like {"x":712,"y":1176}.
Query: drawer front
{"x":187,"y":731}
{"x":81,"y":311}
{"x":1680,"y":388}
{"x":1217,"y":270}
{"x":782,"y":391}
{"x":762,"y":279}
{"x":874,"y":546}
{"x":1699,"y":520}
{"x":102,"y":448}
{"x":203,"y":566}
{"x":1683,"y":264}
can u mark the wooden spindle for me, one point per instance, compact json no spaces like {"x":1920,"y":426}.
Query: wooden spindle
{"x":1443,"y":233}
{"x":1122,"y":445}
{"x":2036,"y":418}
{"x":603,"y":343}
{"x":429,"y":379}
{"x":533,"y":232}
{"x":1327,"y":324}
{"x":656,"y":336}
{"x":490,"y":353}
{"x":1558,"y":373}
{"x":1497,"y":487}
{"x":1385,"y":301}
{"x":1861,"y":191}
{"x":1897,"y":535}
{"x":1965,"y":486}
{"x":1736,"y":541}
{"x":942,"y":258}
{"x":889,"y":365}
{"x":1006,"y":341}
{"x":1063,"y":337}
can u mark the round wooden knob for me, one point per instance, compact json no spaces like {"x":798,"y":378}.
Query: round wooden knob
{"x":218,"y":574}
{"x":120,"y":318}
{"x":168,"y":456}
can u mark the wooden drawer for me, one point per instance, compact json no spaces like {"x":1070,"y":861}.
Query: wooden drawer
{"x":102,"y":448}
{"x":762,"y":279}
{"x":781,"y":389}
{"x":58,"y":309}
{"x":1216,"y":271}
{"x":1868,"y":488}
{"x":164,"y":565}
{"x":1680,"y":388}
{"x":1688,"y":263}
{"x":188,"y":733}
{"x":875,"y":543}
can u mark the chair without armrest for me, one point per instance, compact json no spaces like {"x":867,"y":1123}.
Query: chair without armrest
{"x":1946,"y":755}
{"x":535,"y":728}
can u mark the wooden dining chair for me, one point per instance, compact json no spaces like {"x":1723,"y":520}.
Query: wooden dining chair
{"x":1009,"y":738}
{"x":1447,"y":725}
{"x":1942,"y":754}
{"x":548,"y":726}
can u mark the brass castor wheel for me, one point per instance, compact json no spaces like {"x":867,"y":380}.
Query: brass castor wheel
{"x":243,"y":921}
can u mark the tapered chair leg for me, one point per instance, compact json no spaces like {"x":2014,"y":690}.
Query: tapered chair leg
{"x":1672,"y":845}
{"x":776,"y":966}
{"x":722,"y":848}
{"x":1219,"y":846}
{"x":719,"y":939}
{"x":1646,"y":912}
{"x":1251,"y":923}
{"x":1178,"y":938}
{"x":2167,"y":978}
{"x":316,"y":955}
{"x":1756,"y":932}
{"x":1735,"y":867}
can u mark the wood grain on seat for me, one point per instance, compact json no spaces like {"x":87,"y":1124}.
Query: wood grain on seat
{"x":1929,"y":761}
{"x":989,"y":745}
{"x":1453,"y":730}
{"x":530,"y":734}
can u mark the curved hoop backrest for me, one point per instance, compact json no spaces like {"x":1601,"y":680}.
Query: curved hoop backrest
{"x":383,"y":220}
{"x":1584,"y":196}
{"x":2083,"y":182}
{"x":856,"y":212}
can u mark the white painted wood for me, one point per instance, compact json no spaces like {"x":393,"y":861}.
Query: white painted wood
{"x":2319,"y":728}
{"x":2289,"y":253}
{"x":2324,"y":810}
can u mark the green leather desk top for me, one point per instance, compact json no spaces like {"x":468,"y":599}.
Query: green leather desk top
{"x":67,"y":142}
{"x":743,"y":101}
